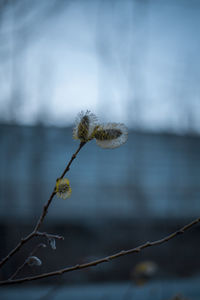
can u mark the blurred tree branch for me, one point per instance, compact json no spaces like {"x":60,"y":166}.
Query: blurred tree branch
{"x":104,"y":259}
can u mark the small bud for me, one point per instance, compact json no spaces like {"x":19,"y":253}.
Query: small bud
{"x":63,"y":188}
{"x":52,"y":243}
{"x":34,"y":261}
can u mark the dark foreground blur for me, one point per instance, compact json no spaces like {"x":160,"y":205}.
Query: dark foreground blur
{"x":158,"y":290}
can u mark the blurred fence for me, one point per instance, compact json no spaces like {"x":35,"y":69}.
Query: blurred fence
{"x":156,"y":176}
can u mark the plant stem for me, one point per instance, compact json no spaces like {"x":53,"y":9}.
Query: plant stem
{"x":26,"y":261}
{"x":43,"y":215}
{"x":105,"y":259}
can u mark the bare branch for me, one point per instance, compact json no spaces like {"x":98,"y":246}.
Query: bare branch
{"x":105,"y":259}
{"x":41,"y":245}
{"x":16,"y":249}
{"x":49,"y":235}
{"x":44,"y":213}
{"x":45,"y":208}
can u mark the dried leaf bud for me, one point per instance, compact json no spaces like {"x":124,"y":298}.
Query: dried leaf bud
{"x":34,"y":261}
{"x":52,"y":243}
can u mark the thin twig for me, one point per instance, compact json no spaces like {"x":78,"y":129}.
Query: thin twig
{"x":46,"y":235}
{"x":105,"y":259}
{"x":19,"y":245}
{"x":45,"y":208}
{"x":44,"y":213}
{"x":26,"y":261}
{"x":49,"y":235}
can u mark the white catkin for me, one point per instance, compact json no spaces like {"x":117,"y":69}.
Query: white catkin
{"x":52,"y":243}
{"x":112,"y":142}
{"x":34,"y":261}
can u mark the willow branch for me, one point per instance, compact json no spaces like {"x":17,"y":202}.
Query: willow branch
{"x":105,"y":259}
{"x":49,"y":235}
{"x":46,"y":206}
{"x":44,"y":213}
{"x":26,"y":260}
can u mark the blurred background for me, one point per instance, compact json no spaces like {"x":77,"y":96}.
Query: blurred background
{"x":130,"y":61}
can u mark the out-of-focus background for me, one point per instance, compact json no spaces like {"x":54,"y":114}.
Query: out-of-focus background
{"x":130,"y":61}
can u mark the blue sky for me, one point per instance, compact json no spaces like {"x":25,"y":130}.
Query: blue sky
{"x":135,"y":62}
